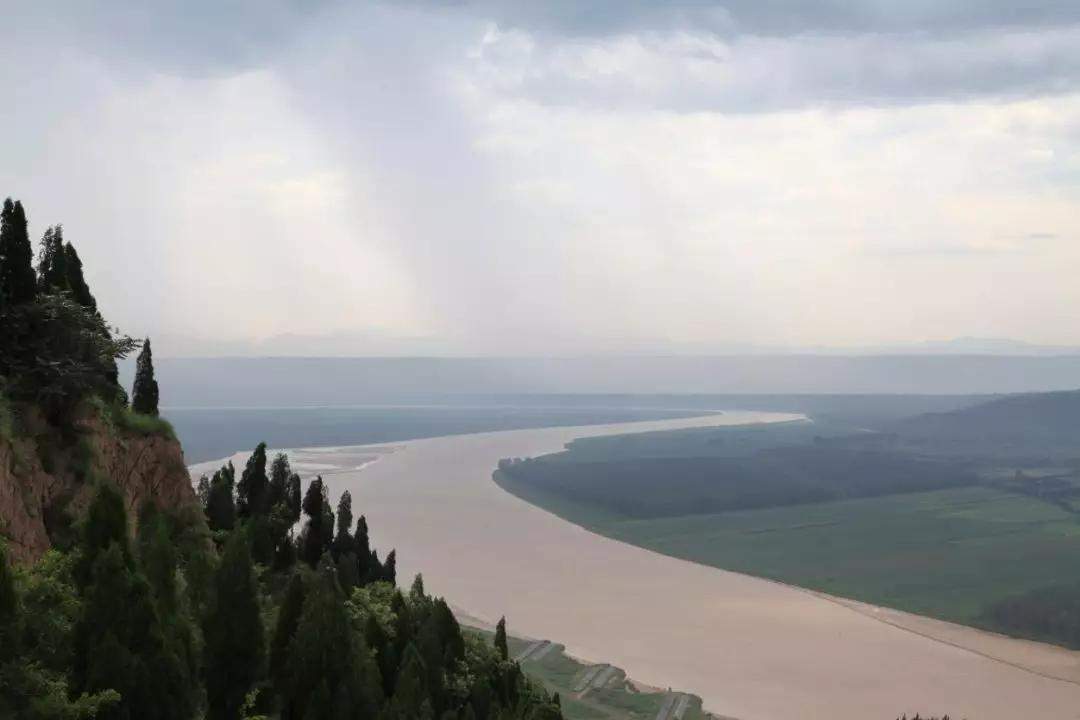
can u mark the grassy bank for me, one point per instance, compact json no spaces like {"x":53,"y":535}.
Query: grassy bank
{"x":970,"y":554}
{"x":589,"y":691}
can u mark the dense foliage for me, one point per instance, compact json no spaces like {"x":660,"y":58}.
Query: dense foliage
{"x":57,"y":348}
{"x":1051,"y":614}
{"x":144,"y":393}
{"x":649,"y":487}
{"x":222,"y":613}
{"x":183,"y":623}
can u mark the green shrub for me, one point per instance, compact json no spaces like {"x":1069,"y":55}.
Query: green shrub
{"x":120,"y":418}
{"x":130,"y":421}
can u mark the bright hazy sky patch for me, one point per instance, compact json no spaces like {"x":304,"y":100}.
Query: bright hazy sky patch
{"x":553,"y":178}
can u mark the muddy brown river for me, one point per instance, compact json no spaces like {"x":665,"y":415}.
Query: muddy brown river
{"x":751,"y":648}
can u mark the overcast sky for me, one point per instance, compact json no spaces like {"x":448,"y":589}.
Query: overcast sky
{"x":567,"y":177}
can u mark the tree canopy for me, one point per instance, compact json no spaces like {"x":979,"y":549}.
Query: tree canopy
{"x":144,"y":393}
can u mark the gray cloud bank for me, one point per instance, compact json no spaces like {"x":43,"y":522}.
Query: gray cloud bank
{"x":556,"y":177}
{"x":733,"y":55}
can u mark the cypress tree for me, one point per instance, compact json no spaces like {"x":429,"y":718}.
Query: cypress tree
{"x":343,"y":540}
{"x":220,"y":509}
{"x":159,"y":563}
{"x":501,"y":645}
{"x":17,"y":277}
{"x":348,"y":572}
{"x":79,"y":289}
{"x":416,"y":592}
{"x":144,"y":394}
{"x":403,"y":634}
{"x":318,"y":531}
{"x":278,"y":489}
{"x":120,"y":645}
{"x":105,"y":525}
{"x":292,"y":498}
{"x":234,"y":644}
{"x":287,"y":622}
{"x":362,"y":548}
{"x":453,"y":642}
{"x":389,"y":570}
{"x":326,"y":650}
{"x":52,"y":271}
{"x":411,"y":691}
{"x":202,"y":491}
{"x":251,"y":491}
{"x":379,"y":642}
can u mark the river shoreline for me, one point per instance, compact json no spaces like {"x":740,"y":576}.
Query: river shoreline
{"x":750,"y":648}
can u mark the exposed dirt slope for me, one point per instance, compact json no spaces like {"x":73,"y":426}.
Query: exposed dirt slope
{"x":47,"y":478}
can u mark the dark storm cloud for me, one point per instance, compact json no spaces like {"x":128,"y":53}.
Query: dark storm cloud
{"x":769,"y":17}
{"x":189,"y":37}
{"x":748,"y":56}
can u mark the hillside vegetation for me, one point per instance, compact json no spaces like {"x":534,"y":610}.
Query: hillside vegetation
{"x":1030,"y":428}
{"x":156,"y":603}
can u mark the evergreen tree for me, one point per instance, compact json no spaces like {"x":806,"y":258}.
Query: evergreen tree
{"x":220,"y":509}
{"x":105,"y":525}
{"x":362,"y":548}
{"x":251,"y":491}
{"x":501,"y":645}
{"x":287,"y":622}
{"x":202,"y":491}
{"x":326,"y":651}
{"x":343,"y":540}
{"x":416,"y":592}
{"x":52,"y":271}
{"x":234,"y":645}
{"x":278,"y":489}
{"x":348,"y":572}
{"x":159,"y":563}
{"x":318,"y":531}
{"x":411,"y":699}
{"x":17,"y":279}
{"x":292,"y":498}
{"x":281,"y":516}
{"x":449,"y":633}
{"x":144,"y":394}
{"x":120,"y":645}
{"x":403,"y":633}
{"x":76,"y":282}
{"x":389,"y":568}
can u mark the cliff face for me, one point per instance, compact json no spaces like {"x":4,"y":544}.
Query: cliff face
{"x":47,"y":479}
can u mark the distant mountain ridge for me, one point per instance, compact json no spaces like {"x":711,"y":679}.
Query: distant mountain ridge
{"x":1031,"y":424}
{"x":248,"y":382}
{"x":374,"y":343}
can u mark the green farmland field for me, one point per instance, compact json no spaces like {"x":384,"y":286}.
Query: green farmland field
{"x":949,"y":553}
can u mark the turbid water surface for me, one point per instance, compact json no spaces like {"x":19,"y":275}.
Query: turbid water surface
{"x":751,"y":648}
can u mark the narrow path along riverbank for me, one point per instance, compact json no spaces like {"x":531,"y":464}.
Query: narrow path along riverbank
{"x":752,"y":649}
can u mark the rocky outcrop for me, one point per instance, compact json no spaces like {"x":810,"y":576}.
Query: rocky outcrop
{"x":48,"y":477}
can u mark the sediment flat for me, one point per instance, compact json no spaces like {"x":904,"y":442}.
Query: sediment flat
{"x":751,"y":648}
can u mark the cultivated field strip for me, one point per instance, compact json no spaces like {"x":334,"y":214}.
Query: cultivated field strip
{"x":540,"y":646}
{"x":589,"y":677}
